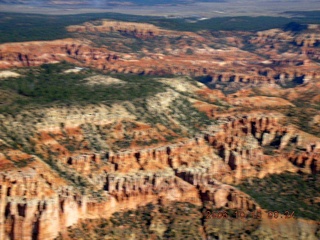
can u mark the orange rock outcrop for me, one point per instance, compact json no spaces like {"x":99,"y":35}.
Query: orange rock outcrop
{"x":247,"y":68}
{"x":45,"y":194}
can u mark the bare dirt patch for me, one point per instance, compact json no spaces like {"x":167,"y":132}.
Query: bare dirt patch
{"x":104,"y":80}
{"x":7,"y":74}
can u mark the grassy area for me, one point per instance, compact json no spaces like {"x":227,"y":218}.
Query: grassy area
{"x":287,"y":192}
{"x":301,"y":116}
{"x":16,"y":27}
{"x":49,"y":85}
{"x":188,"y":115}
{"x":305,"y":14}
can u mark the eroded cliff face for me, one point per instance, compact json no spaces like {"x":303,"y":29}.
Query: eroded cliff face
{"x":61,"y":165}
{"x":67,"y":179}
{"x":305,"y":39}
{"x":196,"y":170}
{"x":37,"y":204}
{"x":36,"y":53}
{"x":35,"y":201}
{"x":190,"y":55}
{"x":198,"y":64}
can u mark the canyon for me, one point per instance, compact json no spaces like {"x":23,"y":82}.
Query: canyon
{"x":204,"y":60}
{"x":229,"y":114}
{"x":195,"y":170}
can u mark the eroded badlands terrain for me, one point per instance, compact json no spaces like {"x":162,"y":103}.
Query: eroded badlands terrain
{"x":143,"y":130}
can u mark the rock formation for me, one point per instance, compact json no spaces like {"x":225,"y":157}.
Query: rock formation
{"x":36,"y":53}
{"x":63,"y":164}
{"x":247,"y":68}
{"x":140,"y":30}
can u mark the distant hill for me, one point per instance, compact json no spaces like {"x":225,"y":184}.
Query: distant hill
{"x":103,"y":2}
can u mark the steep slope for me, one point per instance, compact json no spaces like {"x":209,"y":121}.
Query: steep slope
{"x":82,"y":144}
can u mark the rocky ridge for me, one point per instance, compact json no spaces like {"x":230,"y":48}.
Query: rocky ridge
{"x":62,"y":165}
{"x":248,"y":68}
{"x":188,"y":170}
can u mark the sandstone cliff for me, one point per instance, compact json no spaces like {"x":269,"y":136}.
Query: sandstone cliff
{"x":64,"y":164}
{"x":247,"y":68}
{"x":179,"y":172}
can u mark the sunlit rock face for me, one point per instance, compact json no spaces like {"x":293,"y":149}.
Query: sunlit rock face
{"x":190,"y":55}
{"x":61,"y":165}
{"x":195,"y":170}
